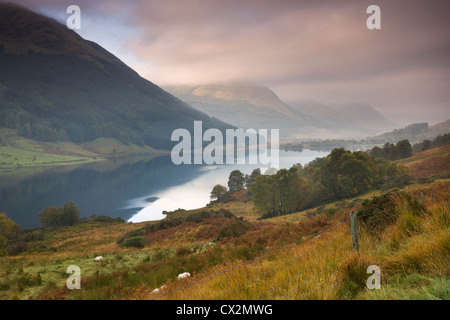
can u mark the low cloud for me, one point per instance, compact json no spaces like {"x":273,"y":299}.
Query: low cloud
{"x":304,"y":49}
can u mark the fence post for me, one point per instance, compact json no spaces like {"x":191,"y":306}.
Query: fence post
{"x":353,"y":228}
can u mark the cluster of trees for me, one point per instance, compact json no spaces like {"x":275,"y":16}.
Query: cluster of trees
{"x":342,"y":174}
{"x":237,"y":181}
{"x":280,"y":193}
{"x":412,"y":132}
{"x":401,"y":150}
{"x":318,"y":144}
{"x":53,"y":217}
{"x":428,"y":144}
{"x":55,"y":129}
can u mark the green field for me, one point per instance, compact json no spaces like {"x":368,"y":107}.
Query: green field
{"x":18,"y":152}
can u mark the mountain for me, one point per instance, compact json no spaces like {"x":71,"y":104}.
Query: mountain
{"x":348,"y":119}
{"x":365,"y":115}
{"x":253,"y":94}
{"x":245,"y":105}
{"x":248,"y":105}
{"x":55,"y":85}
{"x":415,"y":133}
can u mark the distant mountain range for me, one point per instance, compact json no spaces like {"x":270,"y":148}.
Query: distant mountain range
{"x":55,"y":85}
{"x":248,"y":105}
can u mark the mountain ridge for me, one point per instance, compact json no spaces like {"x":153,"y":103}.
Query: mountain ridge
{"x":415,"y":132}
{"x":54,"y":85}
{"x":249,"y":105}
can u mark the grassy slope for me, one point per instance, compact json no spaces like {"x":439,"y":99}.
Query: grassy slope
{"x":415,"y":269}
{"x":16,"y":151}
{"x":429,"y":163}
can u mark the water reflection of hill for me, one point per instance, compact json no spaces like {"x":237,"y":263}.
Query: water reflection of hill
{"x":100,"y":188}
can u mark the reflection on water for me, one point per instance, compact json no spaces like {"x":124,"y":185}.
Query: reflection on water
{"x":100,"y":189}
{"x":136,"y":191}
{"x":195,"y":193}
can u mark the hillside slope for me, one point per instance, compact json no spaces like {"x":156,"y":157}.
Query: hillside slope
{"x":247,"y":105}
{"x":54,"y":85}
{"x":347,"y":120}
{"x":212,"y":244}
{"x":415,"y":133}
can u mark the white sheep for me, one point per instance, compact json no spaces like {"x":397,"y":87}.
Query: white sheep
{"x":98,"y":259}
{"x":183,"y":275}
{"x":160,"y":288}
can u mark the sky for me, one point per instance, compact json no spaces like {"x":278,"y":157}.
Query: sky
{"x":317,"y":50}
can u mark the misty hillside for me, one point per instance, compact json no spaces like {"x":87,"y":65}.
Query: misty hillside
{"x":54,"y":85}
{"x":415,"y":133}
{"x":348,"y":119}
{"x":247,"y":105}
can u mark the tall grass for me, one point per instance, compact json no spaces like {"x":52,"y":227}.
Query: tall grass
{"x":307,"y":270}
{"x":413,"y":244}
{"x":309,"y":259}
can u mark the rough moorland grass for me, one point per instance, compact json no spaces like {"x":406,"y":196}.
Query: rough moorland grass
{"x":412,"y":245}
{"x":411,"y":287}
{"x":416,"y":245}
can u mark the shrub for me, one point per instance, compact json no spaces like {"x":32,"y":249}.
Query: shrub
{"x":233,"y":230}
{"x":381,"y":211}
{"x":137,"y":242}
{"x":131,"y":234}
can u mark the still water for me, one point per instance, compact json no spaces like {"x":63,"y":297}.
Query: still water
{"x":136,"y":191}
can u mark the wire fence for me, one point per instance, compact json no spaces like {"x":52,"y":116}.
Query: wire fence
{"x":292,"y":278}
{"x":299,"y":276}
{"x":286,"y":267}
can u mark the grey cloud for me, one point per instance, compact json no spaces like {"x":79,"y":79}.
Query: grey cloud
{"x":306,"y":49}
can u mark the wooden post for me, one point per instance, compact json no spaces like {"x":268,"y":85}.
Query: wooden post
{"x":421,"y":197}
{"x":353,"y":228}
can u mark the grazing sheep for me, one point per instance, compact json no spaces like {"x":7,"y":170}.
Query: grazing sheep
{"x":183,"y":275}
{"x":98,"y":259}
{"x":159,"y":289}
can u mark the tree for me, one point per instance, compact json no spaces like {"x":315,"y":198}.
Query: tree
{"x":404,"y":149}
{"x":218,"y":192}
{"x":8,"y":228}
{"x":426,"y":144}
{"x":393,"y":152}
{"x":50,"y":217}
{"x":347,"y":174}
{"x":354,"y":177}
{"x":53,"y":217}
{"x":281,"y":193}
{"x":331,"y":170}
{"x":264,"y":194}
{"x":376,"y":152}
{"x":70,"y":214}
{"x":386,"y":150}
{"x":252,"y":177}
{"x":236,"y":181}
